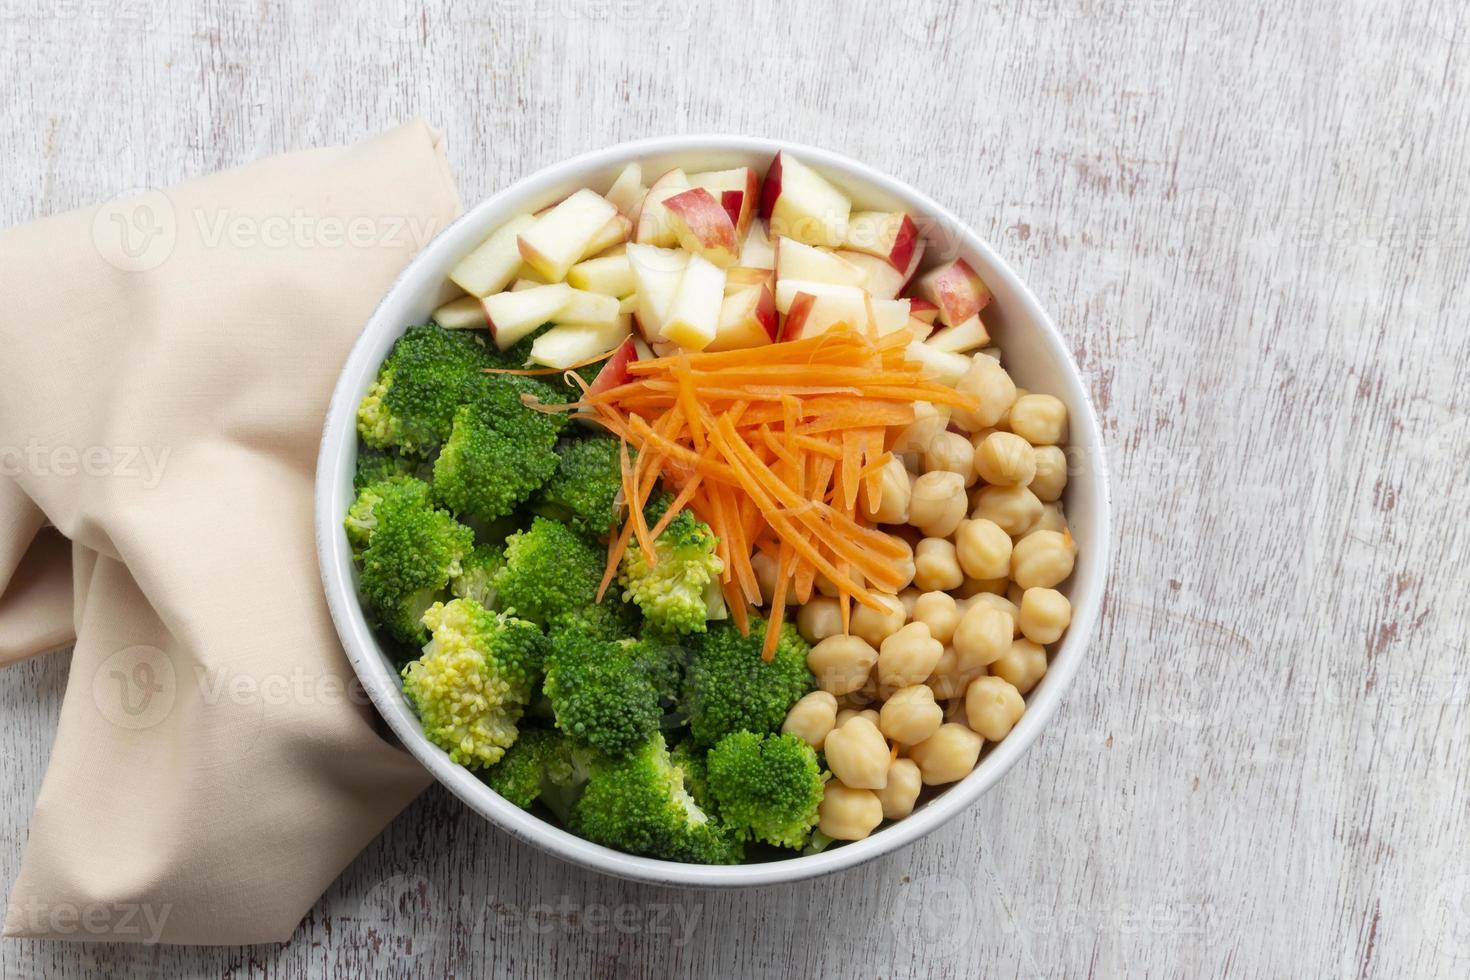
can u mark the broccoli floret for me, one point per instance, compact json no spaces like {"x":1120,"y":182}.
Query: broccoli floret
{"x":673,"y":592}
{"x":498,"y":452}
{"x":729,"y":688}
{"x":426,"y":377}
{"x":766,"y":787}
{"x":376,"y":503}
{"x":473,"y":679}
{"x":540,"y":762}
{"x":610,"y":619}
{"x":476,"y":578}
{"x":586,"y":487}
{"x":639,"y":805}
{"x":661,"y":659}
{"x":600,"y":696}
{"x":374,"y":465}
{"x":690,"y":759}
{"x":549,"y":570}
{"x":411,"y":555}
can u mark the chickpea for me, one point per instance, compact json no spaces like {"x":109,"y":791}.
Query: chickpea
{"x":818,"y":619}
{"x":938,"y":503}
{"x":1013,"y":595}
{"x":984,"y":549}
{"x":1045,"y":615}
{"x":1003,"y":424}
{"x":841,"y":663}
{"x":929,"y":420}
{"x":893,"y":502}
{"x":972,"y":587}
{"x":948,"y":755}
{"x":905,"y":565}
{"x":1015,"y":509}
{"x":846,"y":713}
{"x":1004,"y":605}
{"x":987,"y":379}
{"x":902,"y":792}
{"x":909,"y":598}
{"x":857,"y":754}
{"x":1053,"y":518}
{"x":951,"y":452}
{"x":812,"y":718}
{"x":764,"y":567}
{"x":948,"y":680}
{"x":824,"y":586}
{"x":939,"y":612}
{"x":992,"y":707}
{"x":1005,"y":459}
{"x":936,"y":565}
{"x":908,"y":656}
{"x":983,"y":636}
{"x":847,"y":813}
{"x":910,"y":715}
{"x":1042,"y":559}
{"x":1049,"y":476}
{"x":1023,"y":665}
{"x":1039,"y":419}
{"x":875,"y":626}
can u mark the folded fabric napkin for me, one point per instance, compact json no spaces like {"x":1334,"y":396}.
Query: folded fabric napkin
{"x":165,"y":365}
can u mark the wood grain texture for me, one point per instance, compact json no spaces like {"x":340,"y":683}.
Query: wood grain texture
{"x":1249,"y":219}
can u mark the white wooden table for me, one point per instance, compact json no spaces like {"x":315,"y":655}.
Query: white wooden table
{"x":1249,"y":218}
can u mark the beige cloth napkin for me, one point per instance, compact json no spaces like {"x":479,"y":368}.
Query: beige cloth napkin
{"x":165,"y":365}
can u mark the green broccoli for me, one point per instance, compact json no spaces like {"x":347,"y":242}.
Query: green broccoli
{"x":549,"y":570}
{"x":376,"y":502}
{"x":476,"y":578}
{"x":610,"y":619}
{"x":690,"y":759}
{"x":427,"y":376}
{"x":412,"y":553}
{"x":729,"y":688}
{"x":639,"y":805}
{"x":374,"y":465}
{"x":540,"y":762}
{"x":472,"y":681}
{"x":601,"y":697}
{"x":767,"y":787}
{"x":661,"y":659}
{"x":497,"y":454}
{"x":586,"y":489}
{"x":674,"y":593}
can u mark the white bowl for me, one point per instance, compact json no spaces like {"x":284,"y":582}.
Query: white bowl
{"x":1034,"y":353}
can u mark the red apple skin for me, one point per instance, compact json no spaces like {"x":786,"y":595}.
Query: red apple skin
{"x":705,"y":218}
{"x":765,"y":313}
{"x":959,"y":292}
{"x":922,"y":309}
{"x":903,"y":244}
{"x":771,"y":189}
{"x":796,"y":317}
{"x":743,"y":202}
{"x":731,"y":201}
{"x":615,"y":369}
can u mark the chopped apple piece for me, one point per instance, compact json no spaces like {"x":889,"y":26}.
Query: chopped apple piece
{"x":570,"y":344}
{"x":829,"y":306}
{"x":918,"y":328}
{"x":956,"y":289}
{"x":757,"y":252}
{"x":922,"y":309}
{"x":521,"y":285}
{"x":465,"y":313}
{"x":884,"y":281}
{"x":738,"y":192}
{"x":961,"y":337}
{"x":611,"y":275}
{"x":797,"y":261}
{"x":590,"y":309}
{"x":739,"y":276}
{"x":495,"y":262}
{"x":626,"y":193}
{"x":946,"y":367}
{"x":655,"y":224}
{"x":615,"y":369}
{"x":786,"y":290}
{"x":888,"y":315}
{"x":797,"y":315}
{"x":512,"y":316}
{"x":617,"y":231}
{"x":694,"y":316}
{"x":656,"y":275}
{"x":747,"y":319}
{"x":800,"y":203}
{"x":628,"y":304}
{"x":561,"y":236}
{"x":889,"y":235}
{"x":703,"y":226}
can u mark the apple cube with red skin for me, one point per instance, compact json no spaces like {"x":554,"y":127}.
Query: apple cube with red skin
{"x":813,"y":308}
{"x":655,"y":223}
{"x":799,"y":203}
{"x":883,"y":280}
{"x":922,"y":309}
{"x":738,"y":192}
{"x":747,"y":319}
{"x":961,"y":337}
{"x":513,"y":315}
{"x":615,"y":369}
{"x":890,"y":235}
{"x":703,"y":226}
{"x":797,"y":261}
{"x":568,"y":345}
{"x":956,"y":289}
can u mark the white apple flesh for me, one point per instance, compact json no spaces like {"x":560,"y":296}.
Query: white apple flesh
{"x":591,"y":309}
{"x":747,"y":319}
{"x":492,"y":265}
{"x":560,"y":237}
{"x":703,"y":226}
{"x":611,"y":275}
{"x":656,"y":275}
{"x":961,"y":337}
{"x":511,"y":316}
{"x":654,"y":224}
{"x":883,"y":280}
{"x":465,"y":313}
{"x":797,"y":261}
{"x":738,"y":192}
{"x":570,"y":344}
{"x":888,"y":235}
{"x":626,"y":193}
{"x":756,"y":251}
{"x":694,"y":316}
{"x":617,"y":231}
{"x":799,"y":203}
{"x":945,"y":367}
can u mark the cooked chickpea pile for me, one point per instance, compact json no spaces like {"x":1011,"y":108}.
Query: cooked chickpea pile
{"x":908,"y":696}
